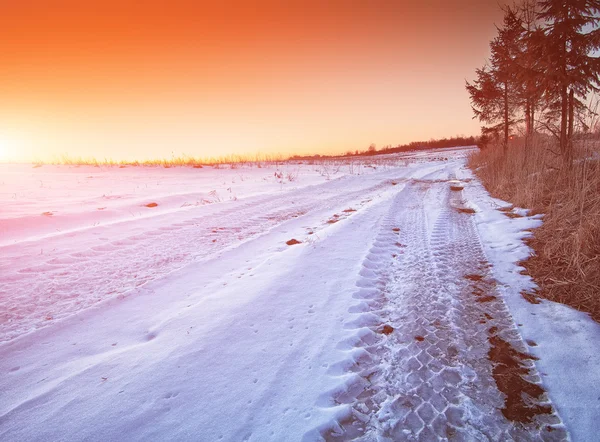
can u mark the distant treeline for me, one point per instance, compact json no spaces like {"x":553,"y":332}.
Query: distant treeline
{"x":415,"y":145}
{"x":431,"y":144}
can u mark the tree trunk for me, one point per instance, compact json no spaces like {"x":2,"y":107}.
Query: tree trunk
{"x":506,"y":118}
{"x":564,"y":105}
{"x":563,"y":121}
{"x":569,"y":151}
{"x":527,"y":122}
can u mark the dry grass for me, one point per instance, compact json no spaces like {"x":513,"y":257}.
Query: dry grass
{"x":229,"y":161}
{"x":566,"y":264}
{"x":327,"y":166}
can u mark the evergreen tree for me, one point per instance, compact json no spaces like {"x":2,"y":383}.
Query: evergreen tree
{"x":529,"y":70}
{"x":494,"y":92}
{"x":486,"y":100}
{"x":571,"y":35}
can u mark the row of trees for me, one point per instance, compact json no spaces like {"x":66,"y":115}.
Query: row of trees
{"x":459,"y":140}
{"x":541,"y":70}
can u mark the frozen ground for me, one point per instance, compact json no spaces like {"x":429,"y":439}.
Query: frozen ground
{"x":193,"y":319}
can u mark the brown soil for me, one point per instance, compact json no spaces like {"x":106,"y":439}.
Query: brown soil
{"x":474,"y":277}
{"x":395,"y":229}
{"x":349,"y":210}
{"x":293,"y":241}
{"x":486,"y":299}
{"x":465,"y":210}
{"x":509,"y":371}
{"x":47,"y":214}
{"x":506,"y":209}
{"x":456,"y":188}
{"x":513,"y":215}
{"x":530,"y":297}
{"x":419,"y":338}
{"x":387,"y":329}
{"x":151,"y":205}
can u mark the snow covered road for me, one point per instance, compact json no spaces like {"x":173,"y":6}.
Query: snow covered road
{"x":390,"y":320}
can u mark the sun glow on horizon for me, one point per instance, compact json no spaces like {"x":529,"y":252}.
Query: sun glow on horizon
{"x":5,"y":149}
{"x":128,"y":80}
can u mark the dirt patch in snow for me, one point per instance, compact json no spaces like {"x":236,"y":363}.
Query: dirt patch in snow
{"x":151,"y":205}
{"x":387,"y":329}
{"x":506,"y":209}
{"x":509,"y":211}
{"x":474,"y":277}
{"x":513,"y":215}
{"x":509,"y":371}
{"x":334,"y":219}
{"x":293,"y":241}
{"x":530,"y":297}
{"x":524,"y":399}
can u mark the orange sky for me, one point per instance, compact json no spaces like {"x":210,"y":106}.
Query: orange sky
{"x":141,"y":79}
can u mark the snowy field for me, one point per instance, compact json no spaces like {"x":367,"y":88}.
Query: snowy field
{"x":371,"y":300}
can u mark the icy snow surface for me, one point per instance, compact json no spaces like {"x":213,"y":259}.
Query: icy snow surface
{"x":145,"y":304}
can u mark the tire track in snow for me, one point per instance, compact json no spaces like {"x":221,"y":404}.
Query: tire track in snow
{"x":360,"y":395}
{"x":418,"y":365}
{"x":481,"y":317}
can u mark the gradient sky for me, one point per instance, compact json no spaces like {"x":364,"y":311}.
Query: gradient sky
{"x":142,"y":79}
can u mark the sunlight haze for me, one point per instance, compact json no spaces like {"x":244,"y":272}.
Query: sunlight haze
{"x":119,"y":80}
